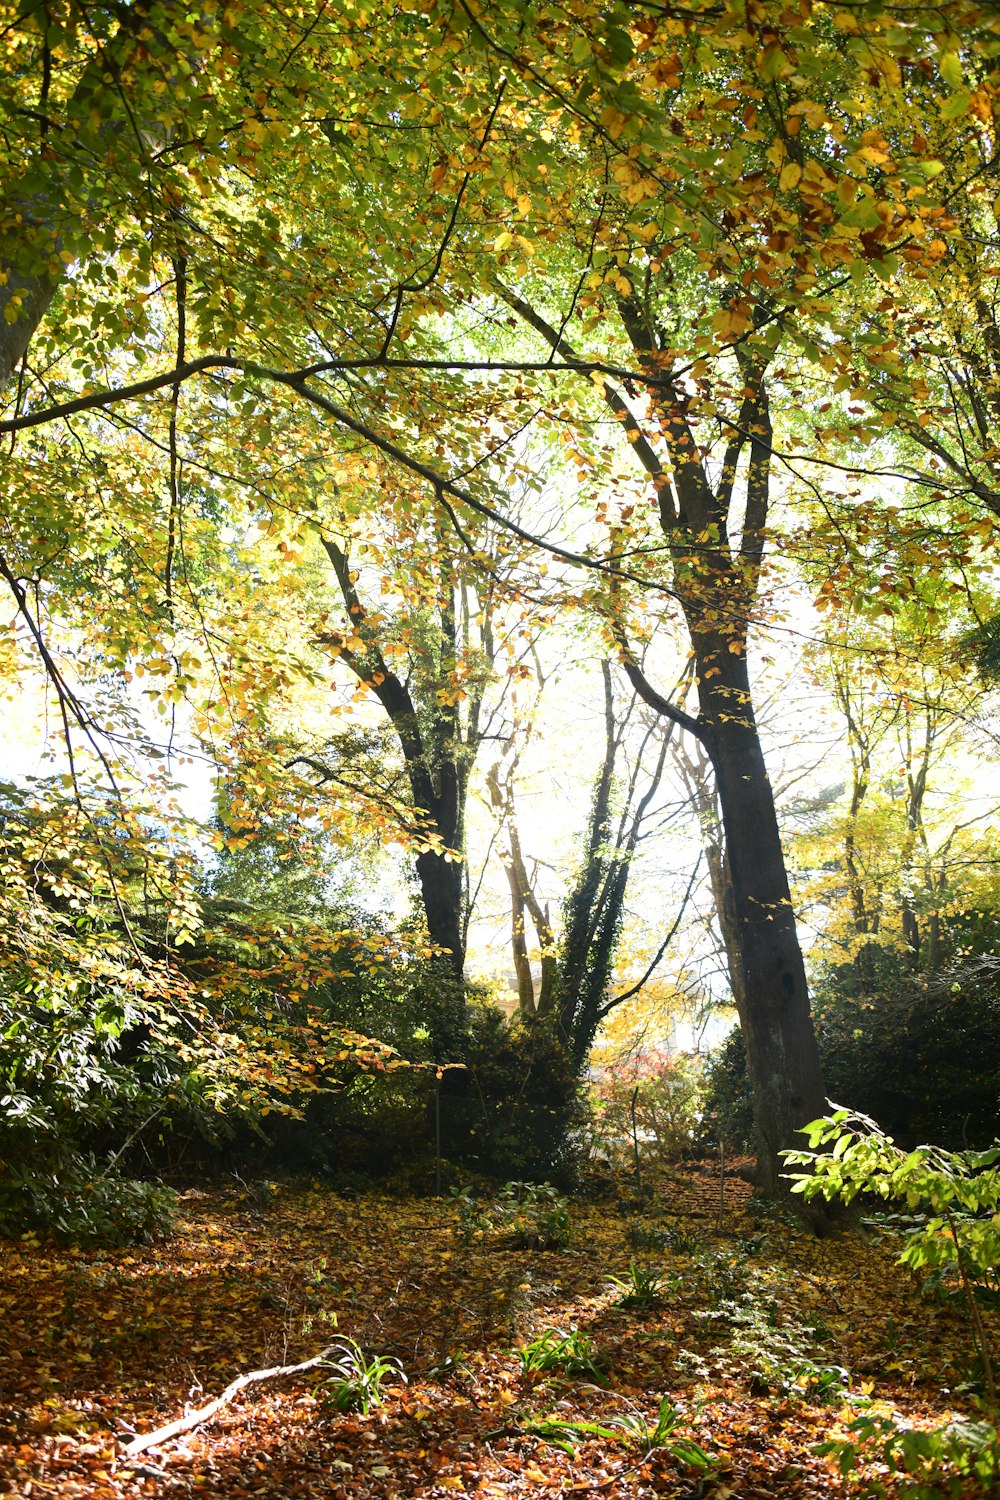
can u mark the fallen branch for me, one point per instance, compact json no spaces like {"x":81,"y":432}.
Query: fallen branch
{"x":205,"y":1413}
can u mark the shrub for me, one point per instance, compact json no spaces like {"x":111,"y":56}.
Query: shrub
{"x":956,"y":1196}
{"x":728,"y":1103}
{"x":524,"y":1108}
{"x":530,"y":1216}
{"x":533,"y":1216}
{"x":931,"y":1463}
{"x":666,"y":1092}
{"x":78,"y":1204}
{"x":922,"y":1057}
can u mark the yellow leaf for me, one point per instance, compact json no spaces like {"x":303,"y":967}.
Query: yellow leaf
{"x":790,"y":175}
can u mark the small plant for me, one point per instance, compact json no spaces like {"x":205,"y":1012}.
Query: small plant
{"x":642,"y":1287}
{"x":648,"y":1436}
{"x":826,"y":1383}
{"x":530,"y":1216}
{"x":932,"y":1464}
{"x":766,"y":1343}
{"x":262,"y":1195}
{"x":533,"y":1216}
{"x":357,"y":1380}
{"x":728,"y":1278}
{"x":454,"y":1366}
{"x":676,"y":1239}
{"x":561,"y":1433}
{"x":682,"y":1241}
{"x":472,"y":1221}
{"x":647,"y":1237}
{"x":751,"y":1245}
{"x":955,"y":1193}
{"x":565,"y":1353}
{"x":632,"y":1429}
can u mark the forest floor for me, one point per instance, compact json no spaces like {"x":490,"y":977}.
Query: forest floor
{"x":762,"y":1332}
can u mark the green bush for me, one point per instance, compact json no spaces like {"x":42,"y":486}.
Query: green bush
{"x":920,"y":1056}
{"x":79,"y":1204}
{"x":728,"y":1104}
{"x":954,"y":1197}
{"x":924,"y":1464}
{"x":528,"y":1215}
{"x":524,"y":1105}
{"x":533,"y":1216}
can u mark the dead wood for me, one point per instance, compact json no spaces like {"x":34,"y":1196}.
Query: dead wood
{"x":204,"y":1414}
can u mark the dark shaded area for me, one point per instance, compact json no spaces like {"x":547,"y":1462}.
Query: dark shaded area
{"x":920,"y":1056}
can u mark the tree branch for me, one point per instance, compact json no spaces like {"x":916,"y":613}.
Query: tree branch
{"x":627,"y":994}
{"x":650,"y":696}
{"x":203,"y":1414}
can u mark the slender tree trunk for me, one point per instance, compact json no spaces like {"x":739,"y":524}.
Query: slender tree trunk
{"x":700,"y":779}
{"x":596,"y":907}
{"x":523,"y":902}
{"x":432,"y":749}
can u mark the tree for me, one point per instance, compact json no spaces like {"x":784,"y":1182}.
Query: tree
{"x":749,"y":281}
{"x":907,"y":842}
{"x":524,"y":901}
{"x":286,"y":297}
{"x":596,"y":902}
{"x":424,"y":708}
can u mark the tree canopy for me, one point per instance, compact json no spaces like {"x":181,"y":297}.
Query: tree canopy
{"x":358,"y":366}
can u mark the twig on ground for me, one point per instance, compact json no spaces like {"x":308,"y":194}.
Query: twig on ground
{"x":203,"y":1414}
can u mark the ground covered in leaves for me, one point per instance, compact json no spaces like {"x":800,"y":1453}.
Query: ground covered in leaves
{"x":754,"y":1334}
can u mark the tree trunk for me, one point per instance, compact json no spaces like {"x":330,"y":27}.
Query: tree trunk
{"x":715,"y":577}
{"x":772,"y":999}
{"x":431,"y":751}
{"x":441,"y":895}
{"x":703,"y":795}
{"x":523,"y":902}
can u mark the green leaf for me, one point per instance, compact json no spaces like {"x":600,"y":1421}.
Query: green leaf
{"x":951,"y":70}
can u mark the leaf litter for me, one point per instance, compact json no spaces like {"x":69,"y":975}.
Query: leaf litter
{"x":743,"y":1363}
